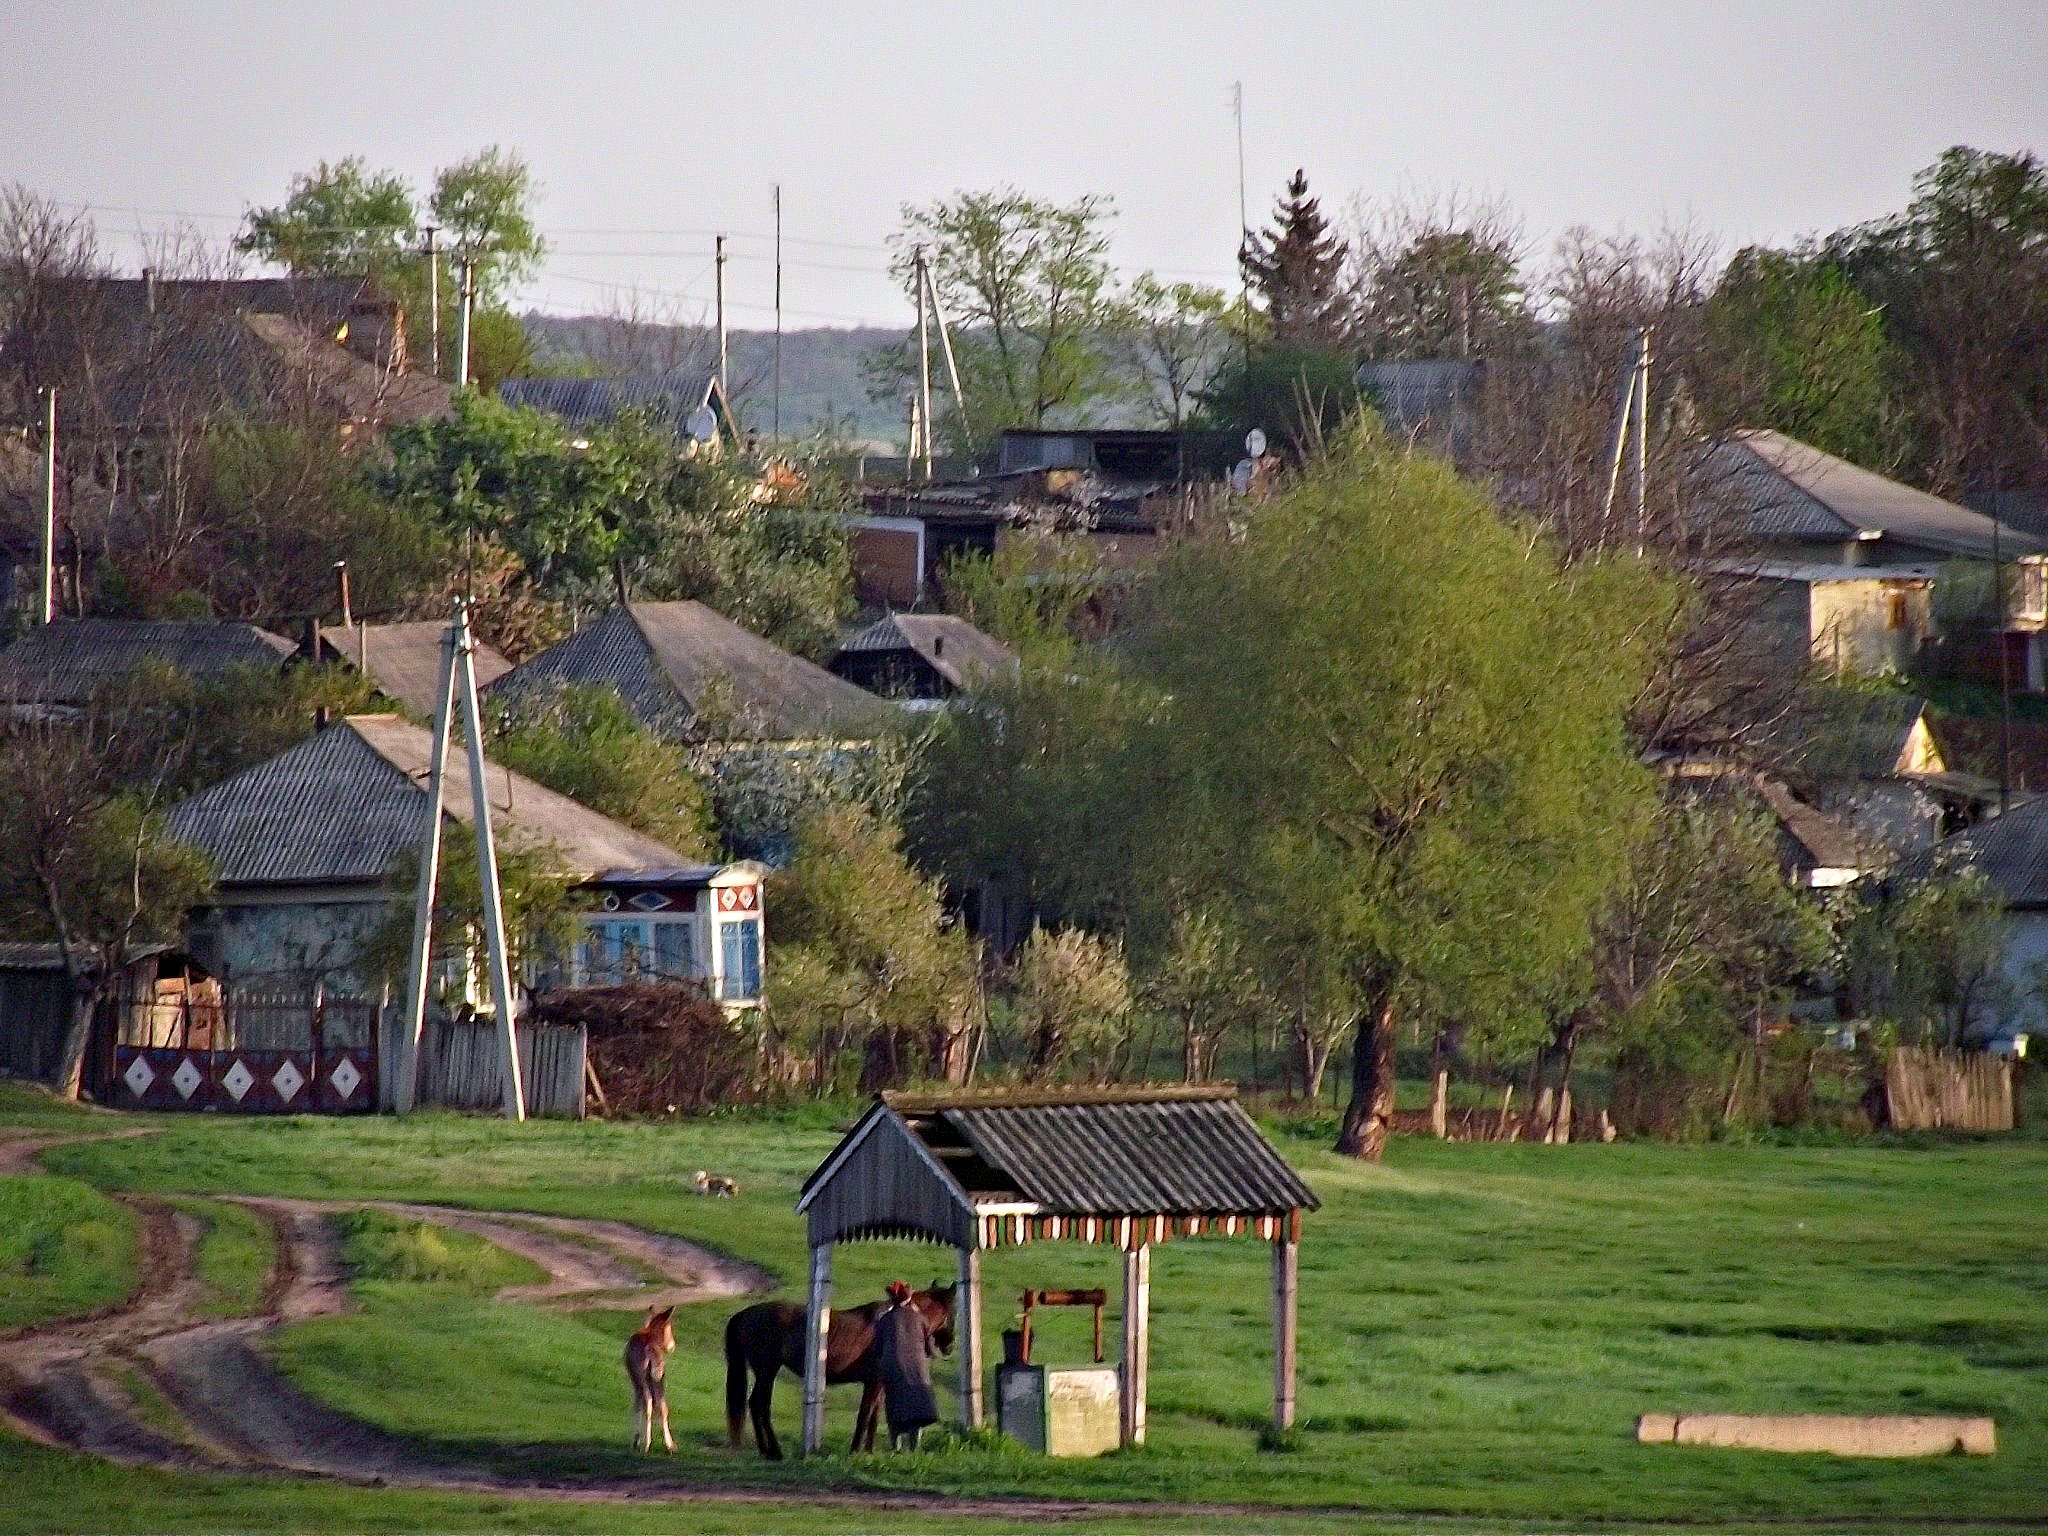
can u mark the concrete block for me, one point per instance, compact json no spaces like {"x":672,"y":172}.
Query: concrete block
{"x":1833,"y":1434}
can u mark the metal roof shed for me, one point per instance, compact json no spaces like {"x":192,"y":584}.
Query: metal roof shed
{"x":989,"y":1168}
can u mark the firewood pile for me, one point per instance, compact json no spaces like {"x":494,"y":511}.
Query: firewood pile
{"x":658,"y":1048}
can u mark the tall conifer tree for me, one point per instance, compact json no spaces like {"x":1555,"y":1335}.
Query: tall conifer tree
{"x":1297,"y":268}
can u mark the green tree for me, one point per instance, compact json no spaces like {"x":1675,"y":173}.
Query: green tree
{"x":1926,"y":955}
{"x":86,"y":861}
{"x":868,"y":968}
{"x":338,"y":220}
{"x":1169,"y":339}
{"x":624,"y":499}
{"x":188,"y":732}
{"x":1705,"y":939}
{"x":1447,"y":293}
{"x":1296,"y":267}
{"x":1025,"y":286}
{"x":1962,"y":276}
{"x":1032,"y":593}
{"x":585,"y":743}
{"x":1351,"y":735}
{"x":1070,"y":996}
{"x":484,"y":206}
{"x":536,"y":899}
{"x":1299,"y":396}
{"x":1792,"y":345}
{"x":1203,"y":980}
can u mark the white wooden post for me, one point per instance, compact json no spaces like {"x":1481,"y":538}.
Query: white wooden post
{"x":419,"y":972}
{"x":817,"y":1330}
{"x":1137,"y":1342}
{"x":1286,"y":1273}
{"x":967,"y":1334}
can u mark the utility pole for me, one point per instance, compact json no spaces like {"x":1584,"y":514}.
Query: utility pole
{"x":2004,"y":670}
{"x":434,"y":299}
{"x":777,"y":417}
{"x":49,"y":503}
{"x":468,"y":307}
{"x":1643,"y":442}
{"x":946,"y":347}
{"x":458,"y":671}
{"x":1244,"y":232}
{"x":718,"y":260}
{"x":924,"y":363}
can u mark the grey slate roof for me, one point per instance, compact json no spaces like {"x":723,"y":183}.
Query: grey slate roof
{"x":951,"y":646}
{"x":586,"y":401}
{"x":1129,"y":1152}
{"x":344,"y":806}
{"x":1788,"y":490}
{"x":405,"y":660}
{"x":62,"y":663}
{"x":2010,"y":850}
{"x":1411,"y":394}
{"x":672,"y":662}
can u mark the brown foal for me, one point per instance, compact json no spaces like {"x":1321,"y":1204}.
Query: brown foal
{"x":646,"y":1364}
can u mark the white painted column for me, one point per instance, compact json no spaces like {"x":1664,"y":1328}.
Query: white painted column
{"x":967,"y":1336}
{"x":1286,"y":1273}
{"x":817,"y":1329}
{"x":1137,"y":1342}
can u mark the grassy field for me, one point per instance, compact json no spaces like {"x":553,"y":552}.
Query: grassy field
{"x":1480,"y":1325}
{"x":64,"y":1249}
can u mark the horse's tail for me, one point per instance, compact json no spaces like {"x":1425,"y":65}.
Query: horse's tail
{"x":735,"y":1377}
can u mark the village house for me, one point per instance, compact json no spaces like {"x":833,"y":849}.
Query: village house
{"x":55,"y":669}
{"x":1114,"y":489}
{"x":1846,"y":620}
{"x":685,"y":671}
{"x":306,"y":847}
{"x":2011,"y":852}
{"x":921,"y":658}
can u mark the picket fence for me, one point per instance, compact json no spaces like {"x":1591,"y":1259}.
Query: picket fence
{"x":1932,"y":1090}
{"x":460,"y":1067}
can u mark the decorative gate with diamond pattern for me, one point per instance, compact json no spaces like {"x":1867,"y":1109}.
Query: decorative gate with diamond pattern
{"x":328,"y":1074}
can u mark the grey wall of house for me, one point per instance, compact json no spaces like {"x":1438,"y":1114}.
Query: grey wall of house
{"x":291,"y":944}
{"x":2026,"y":954}
{"x":1869,"y":627}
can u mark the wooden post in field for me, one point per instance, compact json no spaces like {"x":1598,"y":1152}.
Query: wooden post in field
{"x":1137,"y":1340}
{"x":817,"y":1330}
{"x":967,"y":1329}
{"x":1286,"y":1281}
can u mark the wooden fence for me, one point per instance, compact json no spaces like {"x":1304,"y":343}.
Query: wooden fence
{"x":460,"y":1066}
{"x":1930,"y":1090}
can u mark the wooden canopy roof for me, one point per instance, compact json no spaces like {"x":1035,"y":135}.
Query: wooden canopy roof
{"x":1126,"y":1165}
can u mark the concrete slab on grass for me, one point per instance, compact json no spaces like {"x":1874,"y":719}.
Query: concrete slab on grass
{"x":1835,"y":1434}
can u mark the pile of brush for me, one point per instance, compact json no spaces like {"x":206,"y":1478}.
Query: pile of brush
{"x":658,"y":1047}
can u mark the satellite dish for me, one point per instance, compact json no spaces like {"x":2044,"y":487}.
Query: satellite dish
{"x":1241,"y":476}
{"x":703,"y":424}
{"x":1255,"y":443}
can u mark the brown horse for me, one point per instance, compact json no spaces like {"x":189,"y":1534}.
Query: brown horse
{"x":769,"y":1337}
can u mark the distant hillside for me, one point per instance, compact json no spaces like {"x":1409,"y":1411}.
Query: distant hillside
{"x":821,"y":368}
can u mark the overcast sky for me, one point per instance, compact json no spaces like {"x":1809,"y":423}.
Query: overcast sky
{"x":652,"y":125}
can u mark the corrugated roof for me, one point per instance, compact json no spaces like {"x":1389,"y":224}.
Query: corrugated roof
{"x":344,"y":806}
{"x":582,"y":401}
{"x":1814,"y":838}
{"x":954,"y":648}
{"x":673,"y":661}
{"x":63,"y":662}
{"x":1130,"y":1152}
{"x":405,"y":660}
{"x":1790,"y":490}
{"x":2010,"y":850}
